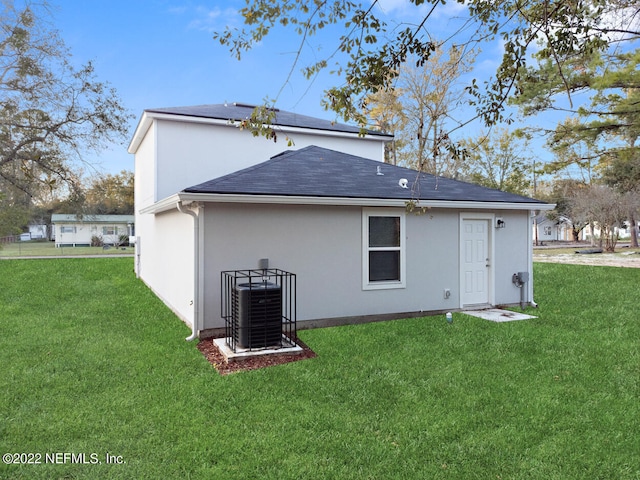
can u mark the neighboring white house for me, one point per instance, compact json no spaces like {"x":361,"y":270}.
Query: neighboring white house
{"x":586,"y":234}
{"x":210,"y":198}
{"x":76,"y":231}
{"x":560,"y":230}
{"x":38,"y":232}
{"x":550,"y":230}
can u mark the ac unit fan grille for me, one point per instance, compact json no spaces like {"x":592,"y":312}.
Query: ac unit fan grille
{"x":257,"y":312}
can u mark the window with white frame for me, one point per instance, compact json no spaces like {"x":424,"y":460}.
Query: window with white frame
{"x":110,"y":230}
{"x":383,"y":249}
{"x":67,"y":229}
{"x":547,"y":231}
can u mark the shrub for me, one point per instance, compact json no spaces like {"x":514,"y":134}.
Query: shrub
{"x":96,"y":241}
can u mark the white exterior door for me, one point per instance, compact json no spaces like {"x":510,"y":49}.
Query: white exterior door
{"x":475,"y":261}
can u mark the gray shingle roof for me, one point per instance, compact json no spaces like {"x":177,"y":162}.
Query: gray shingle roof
{"x":320,"y":172}
{"x":239,"y":111}
{"x":91,"y":218}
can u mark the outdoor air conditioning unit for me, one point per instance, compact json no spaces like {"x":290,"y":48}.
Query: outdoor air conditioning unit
{"x":258,"y":307}
{"x":257,"y":314}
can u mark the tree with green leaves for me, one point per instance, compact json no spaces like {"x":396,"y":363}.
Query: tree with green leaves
{"x":420,"y":110}
{"x":500,"y":160}
{"x":110,"y":194}
{"x":602,"y":105}
{"x":598,"y":88}
{"x":388,"y":115}
{"x":52,"y":114}
{"x":561,"y":193}
{"x":599,"y":138}
{"x":370,"y":52}
{"x":13,"y":217}
{"x":622,"y":173}
{"x":576,"y":152}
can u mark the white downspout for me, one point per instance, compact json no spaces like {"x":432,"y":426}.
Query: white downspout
{"x":195,"y":327}
{"x":532,"y":213}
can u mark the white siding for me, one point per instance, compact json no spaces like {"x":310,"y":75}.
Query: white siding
{"x":192,"y":153}
{"x":327,"y":266}
{"x":323,"y":247}
{"x":511,"y":247}
{"x":167,"y":259}
{"x":174,"y":155}
{"x":80,"y":233}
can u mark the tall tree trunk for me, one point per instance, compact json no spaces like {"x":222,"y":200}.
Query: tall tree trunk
{"x":633,"y":225}
{"x":592,"y":239}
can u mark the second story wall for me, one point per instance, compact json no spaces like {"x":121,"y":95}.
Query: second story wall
{"x":188,"y":153}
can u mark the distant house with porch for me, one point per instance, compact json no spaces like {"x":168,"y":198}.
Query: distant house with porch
{"x":546,"y":229}
{"x":80,"y":231}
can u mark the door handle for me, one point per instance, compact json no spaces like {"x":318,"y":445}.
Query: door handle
{"x":488,"y":264}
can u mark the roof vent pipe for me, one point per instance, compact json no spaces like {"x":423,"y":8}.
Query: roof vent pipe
{"x":403,"y":183}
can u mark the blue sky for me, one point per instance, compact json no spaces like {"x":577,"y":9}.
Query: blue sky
{"x":160,"y":53}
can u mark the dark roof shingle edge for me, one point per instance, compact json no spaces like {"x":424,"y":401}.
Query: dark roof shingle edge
{"x":238,"y":112}
{"x":320,"y":172}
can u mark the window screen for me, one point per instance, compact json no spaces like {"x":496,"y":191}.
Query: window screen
{"x":384,"y":249}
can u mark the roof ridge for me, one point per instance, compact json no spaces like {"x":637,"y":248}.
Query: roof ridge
{"x":236,"y":111}
{"x":314,"y":171}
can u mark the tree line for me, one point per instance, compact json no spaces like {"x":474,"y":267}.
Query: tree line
{"x":102,"y":194}
{"x":53,"y":116}
{"x":575,"y":60}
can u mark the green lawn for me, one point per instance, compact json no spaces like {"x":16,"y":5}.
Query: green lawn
{"x":91,"y":362}
{"x":48,"y":249}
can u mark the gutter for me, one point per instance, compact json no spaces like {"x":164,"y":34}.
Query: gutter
{"x":168,"y":203}
{"x":196,"y":324}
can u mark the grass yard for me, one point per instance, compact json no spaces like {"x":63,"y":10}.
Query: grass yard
{"x":48,"y":249}
{"x":94,"y":364}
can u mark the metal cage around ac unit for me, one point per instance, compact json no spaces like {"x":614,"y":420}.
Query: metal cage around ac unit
{"x":259,"y":308}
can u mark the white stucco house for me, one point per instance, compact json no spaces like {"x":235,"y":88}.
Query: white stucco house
{"x":594,"y":232}
{"x":37,"y":231}
{"x":210,"y":197}
{"x":71,"y":230}
{"x":546,"y":229}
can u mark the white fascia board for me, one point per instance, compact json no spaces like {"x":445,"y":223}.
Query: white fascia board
{"x":141,"y":130}
{"x":169,"y":203}
{"x":147,"y":119}
{"x":164,"y":205}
